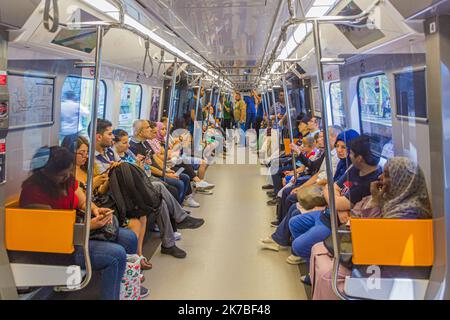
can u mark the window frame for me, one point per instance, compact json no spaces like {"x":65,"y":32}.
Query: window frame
{"x":151,"y":100}
{"x":408,"y":118}
{"x":85,"y":78}
{"x":331,"y":102}
{"x":358,"y":92}
{"x":141,"y":95}
{"x":82,"y":78}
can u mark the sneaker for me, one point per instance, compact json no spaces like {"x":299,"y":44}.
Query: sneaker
{"x":144,"y":292}
{"x":306,"y":280}
{"x":204,"y":192}
{"x":271,"y":194}
{"x":267,"y":240}
{"x":268,"y":187}
{"x":204,"y":185}
{"x":270,"y":245}
{"x":174,"y":252}
{"x":177,"y":236}
{"x":273,"y":202}
{"x":190,"y":202}
{"x":190,"y":223}
{"x":294,"y":260}
{"x":275,"y":223}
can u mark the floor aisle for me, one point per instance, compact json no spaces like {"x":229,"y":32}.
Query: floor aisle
{"x":224,"y":259}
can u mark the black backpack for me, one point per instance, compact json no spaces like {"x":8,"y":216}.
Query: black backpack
{"x":132,"y":190}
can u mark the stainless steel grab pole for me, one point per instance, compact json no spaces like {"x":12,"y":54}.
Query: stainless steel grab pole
{"x":217,"y":101}
{"x":198,"y":125}
{"x":264,"y":102}
{"x":275,"y":110}
{"x":171,"y":110}
{"x":197,"y":104}
{"x":289,"y":116}
{"x":328,"y":161}
{"x":211,"y":98}
{"x":91,"y":162}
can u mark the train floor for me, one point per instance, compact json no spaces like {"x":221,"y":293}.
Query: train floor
{"x":224,"y":259}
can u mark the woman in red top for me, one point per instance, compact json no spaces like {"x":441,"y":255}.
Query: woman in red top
{"x":53,"y":186}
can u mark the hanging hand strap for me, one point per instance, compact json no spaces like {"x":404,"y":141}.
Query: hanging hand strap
{"x":47,"y":16}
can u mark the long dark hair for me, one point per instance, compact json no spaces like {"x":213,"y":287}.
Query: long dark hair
{"x":73,"y":143}
{"x":47,"y":162}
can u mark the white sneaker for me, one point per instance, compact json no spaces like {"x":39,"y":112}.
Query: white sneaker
{"x":294,"y":260}
{"x":269,"y":244}
{"x":177,"y":236}
{"x":204,"y":185}
{"x":191,"y":203}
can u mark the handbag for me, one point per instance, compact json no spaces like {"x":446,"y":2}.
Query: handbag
{"x":311,"y":197}
{"x":130,"y":286}
{"x":345,"y":242}
{"x":107,"y":233}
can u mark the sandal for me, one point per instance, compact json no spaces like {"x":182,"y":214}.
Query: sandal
{"x":145,"y":264}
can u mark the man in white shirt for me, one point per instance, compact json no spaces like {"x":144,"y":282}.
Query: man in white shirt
{"x":314,"y":127}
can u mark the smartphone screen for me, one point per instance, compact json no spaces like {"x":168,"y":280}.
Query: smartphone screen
{"x":106,"y":214}
{"x":180,"y":171}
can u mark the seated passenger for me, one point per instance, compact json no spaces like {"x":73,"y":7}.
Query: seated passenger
{"x":139,"y":145}
{"x":309,"y":150}
{"x":137,"y":216}
{"x":52,"y":186}
{"x":316,"y":174}
{"x":181,"y":217}
{"x":311,"y":228}
{"x":308,"y":127}
{"x":401,"y":193}
{"x":280,"y":238}
{"x":172,"y":155}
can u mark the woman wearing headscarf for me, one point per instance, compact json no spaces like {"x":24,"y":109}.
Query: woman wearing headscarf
{"x":401,"y":193}
{"x":176,"y":163}
{"x":343,"y":151}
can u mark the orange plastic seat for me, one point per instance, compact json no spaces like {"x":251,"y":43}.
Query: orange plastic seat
{"x":37,"y":230}
{"x":287,"y":143}
{"x":393,"y":242}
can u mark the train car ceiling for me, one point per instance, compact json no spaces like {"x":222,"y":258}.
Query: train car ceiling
{"x":388,"y":34}
{"x":14,"y":17}
{"x":81,"y":43}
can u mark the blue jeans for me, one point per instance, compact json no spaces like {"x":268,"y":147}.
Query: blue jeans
{"x":183,"y":185}
{"x":277,"y":178}
{"x":283,"y":234}
{"x":288,"y":199}
{"x":251,"y":121}
{"x":186,"y":184}
{"x":307,"y":230}
{"x":111,"y":259}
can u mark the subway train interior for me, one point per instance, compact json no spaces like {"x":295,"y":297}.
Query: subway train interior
{"x":224,"y":150}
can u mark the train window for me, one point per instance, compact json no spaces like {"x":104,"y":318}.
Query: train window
{"x":130,"y":106}
{"x":337,"y":104}
{"x":375,"y":108}
{"x":76,"y":102}
{"x":156,"y":98}
{"x":410,"y":94}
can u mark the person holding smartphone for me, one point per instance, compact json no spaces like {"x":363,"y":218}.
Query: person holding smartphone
{"x":53,"y":186}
